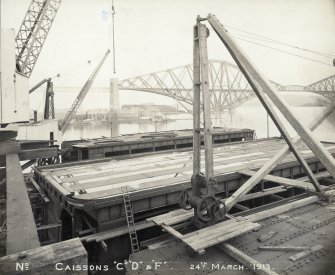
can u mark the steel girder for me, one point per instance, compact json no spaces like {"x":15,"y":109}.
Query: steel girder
{"x":324,"y":85}
{"x":227,"y":85}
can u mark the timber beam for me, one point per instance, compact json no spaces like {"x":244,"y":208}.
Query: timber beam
{"x":248,"y":73}
{"x":43,"y":260}
{"x":282,"y":181}
{"x":255,"y":79}
{"x":244,"y":259}
{"x":28,"y":164}
{"x":39,"y":190}
{"x":245,"y":64}
{"x":21,"y":227}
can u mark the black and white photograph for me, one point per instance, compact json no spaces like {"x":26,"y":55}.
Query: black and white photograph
{"x":167,"y":137}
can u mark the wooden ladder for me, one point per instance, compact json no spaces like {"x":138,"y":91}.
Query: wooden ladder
{"x":130,"y":220}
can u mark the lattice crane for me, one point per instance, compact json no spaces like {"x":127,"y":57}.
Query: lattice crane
{"x":33,"y":32}
{"x":82,"y":94}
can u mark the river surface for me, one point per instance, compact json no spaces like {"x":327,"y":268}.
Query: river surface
{"x":249,"y":115}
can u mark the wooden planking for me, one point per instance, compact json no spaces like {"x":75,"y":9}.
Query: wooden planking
{"x":175,"y":214}
{"x":21,"y":228}
{"x":283,"y":248}
{"x":172,"y":158}
{"x":305,"y":253}
{"x":224,"y":150}
{"x":96,"y":182}
{"x":172,"y":231}
{"x":102,"y":236}
{"x":206,"y":237}
{"x":205,"y":241}
{"x":154,"y":169}
{"x":99,"y":178}
{"x":222,"y":226}
{"x":110,"y":181}
{"x":140,"y":184}
{"x":267,"y":236}
{"x":42,"y":260}
{"x":218,"y":171}
{"x":203,"y":238}
{"x":171,"y":182}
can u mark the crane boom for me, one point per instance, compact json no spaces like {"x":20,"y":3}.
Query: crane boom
{"x":39,"y":84}
{"x":33,"y":32}
{"x":83,"y":92}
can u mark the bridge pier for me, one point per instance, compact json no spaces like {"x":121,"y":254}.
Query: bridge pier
{"x":114,"y":105}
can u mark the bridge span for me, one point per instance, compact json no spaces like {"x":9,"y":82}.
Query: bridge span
{"x":228,"y":87}
{"x":324,"y":87}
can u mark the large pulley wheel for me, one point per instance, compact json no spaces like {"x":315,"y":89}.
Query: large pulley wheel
{"x":184,"y":200}
{"x":205,"y":208}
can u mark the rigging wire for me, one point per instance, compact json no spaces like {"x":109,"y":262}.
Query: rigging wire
{"x":283,"y":51}
{"x":284,"y":44}
{"x":77,"y":69}
{"x":113,"y":22}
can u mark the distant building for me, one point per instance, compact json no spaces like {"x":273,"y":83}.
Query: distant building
{"x":149,"y":109}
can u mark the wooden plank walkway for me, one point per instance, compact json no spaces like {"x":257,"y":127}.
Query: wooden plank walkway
{"x":172,"y":217}
{"x":201,"y":239}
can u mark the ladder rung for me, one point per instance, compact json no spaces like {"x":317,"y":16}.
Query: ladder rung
{"x":130,"y":219}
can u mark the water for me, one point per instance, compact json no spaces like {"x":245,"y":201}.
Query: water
{"x":249,"y":115}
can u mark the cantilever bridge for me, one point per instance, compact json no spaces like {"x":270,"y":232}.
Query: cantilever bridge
{"x":228,"y":87}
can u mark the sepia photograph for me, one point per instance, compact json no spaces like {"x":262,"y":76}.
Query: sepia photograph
{"x":167,"y":137}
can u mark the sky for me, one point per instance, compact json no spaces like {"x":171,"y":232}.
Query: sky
{"x":154,"y":35}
